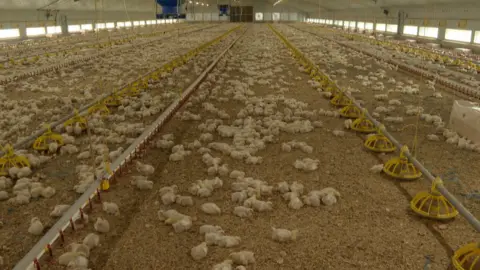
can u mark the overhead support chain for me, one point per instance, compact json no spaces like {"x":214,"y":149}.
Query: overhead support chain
{"x":136,"y":149}
{"x":447,"y":205}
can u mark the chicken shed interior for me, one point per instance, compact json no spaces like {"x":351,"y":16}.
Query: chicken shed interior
{"x":239,"y":134}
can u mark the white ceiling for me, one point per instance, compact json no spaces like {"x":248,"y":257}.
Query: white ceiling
{"x":304,"y":5}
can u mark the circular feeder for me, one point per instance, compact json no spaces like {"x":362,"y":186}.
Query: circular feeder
{"x":432,"y":204}
{"x":467,"y":257}
{"x":379,"y":143}
{"x":42,"y":142}
{"x":340,"y":100}
{"x":351,"y":111}
{"x":362,"y":124}
{"x":401,"y":168}
{"x":10,"y":160}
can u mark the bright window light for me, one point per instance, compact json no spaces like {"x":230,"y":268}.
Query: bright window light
{"x":9,"y":33}
{"x":339,"y":23}
{"x":128,"y":24}
{"x":159,"y":21}
{"x":330,"y":22}
{"x":477,"y":37}
{"x":87,"y":27}
{"x":322,"y":21}
{"x":410,"y":30}
{"x":380,"y":27}
{"x":259,"y":16}
{"x":54,"y":29}
{"x":392,"y":28}
{"x":361,"y":25}
{"x":100,"y":26}
{"x":136,"y":23}
{"x":149,"y":22}
{"x":35,"y":31}
{"x":110,"y":25}
{"x":369,"y":26}
{"x":458,"y":35}
{"x":352,"y":24}
{"x":142,"y":22}
{"x":120,"y":24}
{"x":154,"y":22}
{"x":74,"y":28}
{"x":431,"y":32}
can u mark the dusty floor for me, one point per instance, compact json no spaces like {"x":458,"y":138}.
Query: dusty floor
{"x":371,"y":227}
{"x":15,"y":242}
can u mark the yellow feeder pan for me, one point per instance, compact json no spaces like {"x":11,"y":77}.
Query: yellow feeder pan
{"x":99,"y":108}
{"x":467,"y":257}
{"x":432,"y":204}
{"x":401,"y":168}
{"x":42,"y":142}
{"x":379,"y":143}
{"x":10,"y":160}
{"x":340,"y":100}
{"x":351,"y":111}
{"x":76,"y":119}
{"x":113,"y":100}
{"x":362,"y":124}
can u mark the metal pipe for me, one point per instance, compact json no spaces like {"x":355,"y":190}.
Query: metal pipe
{"x":450,"y":197}
{"x":80,"y":203}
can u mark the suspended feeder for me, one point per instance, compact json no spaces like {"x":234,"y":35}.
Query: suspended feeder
{"x":76,"y":120}
{"x":432,"y":204}
{"x":379,"y":142}
{"x":351,"y":111}
{"x":11,"y":160}
{"x":362,"y":124}
{"x":42,"y":142}
{"x":113,"y":100}
{"x":401,"y":168}
{"x":467,"y":257}
{"x":340,"y":100}
{"x":99,"y":108}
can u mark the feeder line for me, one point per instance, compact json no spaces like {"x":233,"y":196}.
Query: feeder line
{"x":439,"y":186}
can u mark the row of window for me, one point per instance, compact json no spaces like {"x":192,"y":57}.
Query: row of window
{"x":41,"y":31}
{"x":409,"y":30}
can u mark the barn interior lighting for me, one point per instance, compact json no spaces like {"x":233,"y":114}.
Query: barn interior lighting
{"x":276,"y":3}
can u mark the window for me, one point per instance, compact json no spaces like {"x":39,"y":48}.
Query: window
{"x":330,"y":22}
{"x":428,"y":32}
{"x":380,"y":27}
{"x":136,"y":23}
{"x":74,"y":28}
{"x":410,"y":30}
{"x":35,"y":31}
{"x":392,"y":28}
{"x":477,"y":37}
{"x":369,"y":26}
{"x":259,"y":16}
{"x":352,"y":24}
{"x":9,"y":33}
{"x":142,"y":22}
{"x":54,"y":29}
{"x":87,"y":27}
{"x":339,"y":23}
{"x":120,"y":24}
{"x":128,"y":24}
{"x":361,"y":25}
{"x":322,"y":21}
{"x":159,"y":21}
{"x":458,"y":35}
{"x":100,"y":26}
{"x":110,"y":25}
